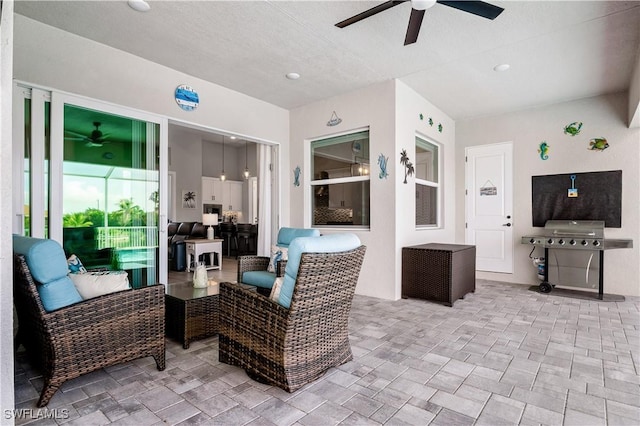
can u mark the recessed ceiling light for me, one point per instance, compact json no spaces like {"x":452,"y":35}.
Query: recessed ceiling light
{"x":232,"y":137}
{"x":139,"y":5}
{"x":293,"y":76}
{"x":501,"y":67}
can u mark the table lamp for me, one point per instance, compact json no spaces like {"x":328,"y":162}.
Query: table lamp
{"x":210,"y":219}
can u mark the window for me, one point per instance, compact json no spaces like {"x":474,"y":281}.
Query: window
{"x":340,"y":180}
{"x":427,"y":172}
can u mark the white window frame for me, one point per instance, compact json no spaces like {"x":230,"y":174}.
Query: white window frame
{"x":330,"y":181}
{"x":437,"y":185}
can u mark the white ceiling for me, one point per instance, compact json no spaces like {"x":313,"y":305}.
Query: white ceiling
{"x":558,"y":50}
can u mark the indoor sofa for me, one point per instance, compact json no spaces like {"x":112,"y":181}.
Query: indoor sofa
{"x":177,"y":233}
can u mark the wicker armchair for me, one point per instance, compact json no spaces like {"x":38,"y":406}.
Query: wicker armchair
{"x":290,"y":347}
{"x":89,"y":335}
{"x":252,"y":263}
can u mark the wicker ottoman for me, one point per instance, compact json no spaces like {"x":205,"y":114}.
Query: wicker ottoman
{"x":438,"y":272}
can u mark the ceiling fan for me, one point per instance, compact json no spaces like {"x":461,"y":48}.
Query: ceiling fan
{"x":418,"y":7}
{"x":94,"y":139}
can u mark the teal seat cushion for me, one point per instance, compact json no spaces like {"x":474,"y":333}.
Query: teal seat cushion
{"x":286,"y":235}
{"x":333,"y":243}
{"x":48,"y":266}
{"x":262,"y":279}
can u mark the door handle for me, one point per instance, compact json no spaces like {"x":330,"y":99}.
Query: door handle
{"x":506,"y":224}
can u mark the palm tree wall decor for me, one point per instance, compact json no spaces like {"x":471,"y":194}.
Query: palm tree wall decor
{"x":408,"y":165}
{"x":188,"y":199}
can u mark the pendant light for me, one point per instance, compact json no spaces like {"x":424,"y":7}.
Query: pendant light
{"x":223,"y":177}
{"x":246,"y":172}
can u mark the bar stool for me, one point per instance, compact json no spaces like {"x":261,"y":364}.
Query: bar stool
{"x":228,"y":234}
{"x":244,"y":234}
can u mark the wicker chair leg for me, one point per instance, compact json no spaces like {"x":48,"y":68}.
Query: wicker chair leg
{"x":50,"y":388}
{"x":160,"y":360}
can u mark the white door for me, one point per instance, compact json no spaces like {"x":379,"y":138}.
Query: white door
{"x":489,"y":205}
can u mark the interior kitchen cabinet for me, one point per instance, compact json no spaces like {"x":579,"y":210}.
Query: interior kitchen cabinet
{"x":232,"y":195}
{"x":226,"y":193}
{"x":212,"y":192}
{"x":340,"y":196}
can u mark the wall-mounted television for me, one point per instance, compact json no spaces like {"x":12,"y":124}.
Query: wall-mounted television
{"x":578,"y":196}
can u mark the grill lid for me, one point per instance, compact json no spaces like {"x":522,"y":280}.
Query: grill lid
{"x":575,"y":228}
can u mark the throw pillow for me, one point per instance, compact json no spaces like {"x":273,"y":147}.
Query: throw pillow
{"x":275,"y":290}
{"x":75,"y":266}
{"x":94,"y":284}
{"x":277,"y":254}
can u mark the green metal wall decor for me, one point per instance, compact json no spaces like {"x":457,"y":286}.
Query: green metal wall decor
{"x":573,"y":129}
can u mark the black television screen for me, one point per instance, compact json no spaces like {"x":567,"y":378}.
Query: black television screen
{"x":578,"y":196}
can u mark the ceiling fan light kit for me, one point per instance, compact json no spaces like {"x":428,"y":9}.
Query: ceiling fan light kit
{"x":94,"y":139}
{"x":422,"y":4}
{"x":418,"y":8}
{"x":139,"y":5}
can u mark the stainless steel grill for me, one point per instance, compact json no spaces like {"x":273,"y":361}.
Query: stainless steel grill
{"x":570,"y":249}
{"x":575,"y":234}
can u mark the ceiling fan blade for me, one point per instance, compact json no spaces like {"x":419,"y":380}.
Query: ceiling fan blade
{"x":480,"y":8}
{"x":415,"y":21}
{"x":367,"y":13}
{"x":75,"y":133}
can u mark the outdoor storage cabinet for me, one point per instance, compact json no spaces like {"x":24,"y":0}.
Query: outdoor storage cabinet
{"x":438,"y":272}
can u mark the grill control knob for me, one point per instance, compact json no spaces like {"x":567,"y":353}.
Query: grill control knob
{"x":584,"y":242}
{"x":572,"y":242}
{"x":550,"y":241}
{"x":533,"y":240}
{"x":561,"y":242}
{"x":596,"y":243}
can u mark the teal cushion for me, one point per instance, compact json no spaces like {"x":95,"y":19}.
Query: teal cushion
{"x":333,"y":243}
{"x":58,"y":294}
{"x":286,"y":235}
{"x":259,"y":278}
{"x":48,"y":266}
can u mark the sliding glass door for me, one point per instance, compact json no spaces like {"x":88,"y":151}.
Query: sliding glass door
{"x":103,"y":185}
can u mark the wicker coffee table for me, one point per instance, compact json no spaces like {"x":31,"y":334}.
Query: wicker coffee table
{"x":191,"y":313}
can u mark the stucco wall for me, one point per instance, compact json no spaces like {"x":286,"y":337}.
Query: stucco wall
{"x":371,"y":107}
{"x":409,"y":106}
{"x":603,"y":116}
{"x":391,"y":111}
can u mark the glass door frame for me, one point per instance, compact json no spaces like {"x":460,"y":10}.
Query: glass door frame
{"x":58,"y":101}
